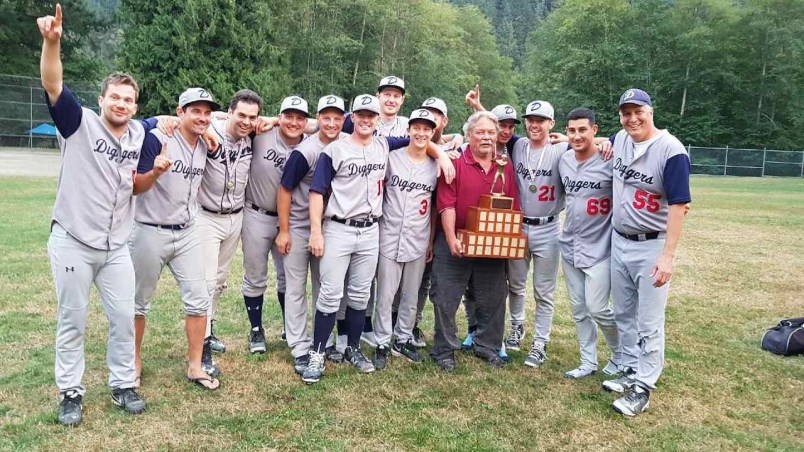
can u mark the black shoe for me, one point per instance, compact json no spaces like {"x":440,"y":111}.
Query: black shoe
{"x":491,"y":357}
{"x":128,"y":399}
{"x":216,"y":345}
{"x":256,"y":341}
{"x":359,"y":360}
{"x":447,"y":363}
{"x":300,"y":364}
{"x":407,"y":350}
{"x":419,"y":340}
{"x":207,"y":363}
{"x":71,"y":410}
{"x":380,"y":360}
{"x":332,"y":354}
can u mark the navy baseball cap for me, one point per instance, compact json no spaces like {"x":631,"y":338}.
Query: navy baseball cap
{"x":635,"y":96}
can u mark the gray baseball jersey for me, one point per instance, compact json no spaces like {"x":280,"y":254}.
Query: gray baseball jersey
{"x":173,"y":198}
{"x":639,"y":185}
{"x":268,"y":160}
{"x":407,"y":208}
{"x":96,"y":179}
{"x":396,"y":128}
{"x":541,"y":193}
{"x":223,"y":187}
{"x":585,"y":237}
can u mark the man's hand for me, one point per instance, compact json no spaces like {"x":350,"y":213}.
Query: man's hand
{"x":211,"y":140}
{"x":605,"y":149}
{"x":473,"y":99}
{"x":429,"y":254}
{"x":558,"y":137}
{"x":446,"y":167}
{"x":283,"y":243}
{"x":454,"y":155}
{"x":264,"y":124}
{"x":167,"y":124}
{"x":456,"y":142}
{"x":662,"y":270}
{"x":50,"y":26}
{"x":455,"y":247}
{"x":316,"y":244}
{"x":162,"y":161}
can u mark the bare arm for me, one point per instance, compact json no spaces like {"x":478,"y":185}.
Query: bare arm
{"x":663,"y":269}
{"x":316,"y":213}
{"x":283,"y":241}
{"x":444,"y":162}
{"x":50,"y":63}
{"x":473,"y":99}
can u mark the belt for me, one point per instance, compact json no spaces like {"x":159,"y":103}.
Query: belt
{"x":640,"y":237}
{"x":539,"y":221}
{"x":356,"y":223}
{"x":222,"y":212}
{"x":262,"y":211}
{"x":174,"y":227}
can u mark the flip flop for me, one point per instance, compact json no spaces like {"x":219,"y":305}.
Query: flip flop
{"x":198,"y":382}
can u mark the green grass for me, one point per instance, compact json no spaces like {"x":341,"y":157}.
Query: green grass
{"x":738,"y":272}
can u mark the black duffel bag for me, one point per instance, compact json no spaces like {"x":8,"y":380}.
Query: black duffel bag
{"x":786,"y":338}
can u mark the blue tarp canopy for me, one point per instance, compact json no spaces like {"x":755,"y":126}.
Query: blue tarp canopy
{"x":47,"y":130}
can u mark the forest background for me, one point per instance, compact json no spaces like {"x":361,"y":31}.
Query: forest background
{"x":721,"y":72}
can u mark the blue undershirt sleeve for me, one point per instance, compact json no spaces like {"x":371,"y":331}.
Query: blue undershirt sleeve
{"x":323,"y":175}
{"x":611,"y":139}
{"x":151,"y":147}
{"x":677,"y":179}
{"x":348,"y":126}
{"x":295,"y":169}
{"x":395,"y":143}
{"x":66,"y":112}
{"x":149,"y":124}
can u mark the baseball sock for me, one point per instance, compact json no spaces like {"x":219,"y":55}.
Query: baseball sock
{"x":355,"y":319}
{"x":368,"y":327}
{"x":280,"y":296}
{"x":254,"y":310}
{"x":343,"y":328}
{"x":394,"y":316}
{"x":322,"y":327}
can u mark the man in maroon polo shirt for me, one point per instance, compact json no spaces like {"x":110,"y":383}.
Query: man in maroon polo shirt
{"x":453,"y":274}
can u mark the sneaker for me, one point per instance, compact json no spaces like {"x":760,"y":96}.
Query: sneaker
{"x":622,"y":383}
{"x":611,"y":368}
{"x":216,"y":345}
{"x":368,"y":338}
{"x":332,"y":354}
{"x":359,"y":360}
{"x":580,"y":372}
{"x":537,"y":355}
{"x":380,"y":360}
{"x":256,"y":341}
{"x":419,"y":340}
{"x":447,"y":363}
{"x":491,"y":357}
{"x":71,"y":410}
{"x":406,"y":350}
{"x":469,"y":342}
{"x":207,"y":363}
{"x":300,"y":363}
{"x":515,"y":337}
{"x":634,"y":402}
{"x":128,"y":399}
{"x":315,"y":368}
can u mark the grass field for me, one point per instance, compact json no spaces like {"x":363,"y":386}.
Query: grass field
{"x":739,"y":270}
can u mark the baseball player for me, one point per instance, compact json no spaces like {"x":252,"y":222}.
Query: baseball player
{"x":91,"y":222}
{"x":354,"y":169}
{"x":294,"y":226}
{"x":651,"y":191}
{"x":221,"y":197}
{"x":260,"y":222}
{"x":584,"y":242}
{"x":406,"y":234}
{"x":391,"y":95}
{"x":165,"y":232}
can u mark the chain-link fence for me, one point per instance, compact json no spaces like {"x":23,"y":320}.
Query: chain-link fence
{"x":24,"y":118}
{"x":746,"y":162}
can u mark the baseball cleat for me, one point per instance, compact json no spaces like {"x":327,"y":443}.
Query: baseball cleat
{"x":580,"y":372}
{"x":537,"y":355}
{"x":514,"y":341}
{"x":256,"y":341}
{"x":406,"y":350}
{"x":332,"y":354}
{"x":300,"y":363}
{"x":207,"y":363}
{"x":419,"y":340}
{"x":315,"y":368}
{"x":380,"y":360}
{"x":636,"y":401}
{"x":216,"y":345}
{"x":447,"y":363}
{"x":71,"y":409}
{"x":611,"y":368}
{"x":359,"y":360}
{"x":129,"y":400}
{"x":621,"y":383}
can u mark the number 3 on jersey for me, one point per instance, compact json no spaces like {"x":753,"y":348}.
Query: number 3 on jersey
{"x":645,"y":200}
{"x":425,"y":207}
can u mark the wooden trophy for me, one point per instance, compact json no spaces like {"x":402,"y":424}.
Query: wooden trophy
{"x":494,"y":227}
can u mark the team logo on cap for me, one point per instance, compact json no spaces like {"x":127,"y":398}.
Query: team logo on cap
{"x":423,"y":114}
{"x":366,"y":100}
{"x":629,"y":94}
{"x":203,"y":94}
{"x":509,"y":110}
{"x":536,"y":106}
{"x":330,"y":100}
{"x":391,"y":80}
{"x":295,"y":101}
{"x":429,"y":101}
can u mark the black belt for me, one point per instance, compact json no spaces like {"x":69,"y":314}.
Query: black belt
{"x":640,"y":237}
{"x":174,"y":227}
{"x":263,"y":211}
{"x":539,"y":221}
{"x":356,"y":223}
{"x":222,"y":212}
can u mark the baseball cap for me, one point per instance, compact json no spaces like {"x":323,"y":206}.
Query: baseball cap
{"x":294,"y":103}
{"x":331,"y":101}
{"x":436,"y":104}
{"x":539,"y":108}
{"x":366,"y":102}
{"x":197,"y":95}
{"x":422,"y":114}
{"x":635,"y":96}
{"x":392,"y":82}
{"x":503,"y":112}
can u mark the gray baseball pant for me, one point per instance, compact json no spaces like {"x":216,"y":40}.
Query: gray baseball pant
{"x":219,"y":236}
{"x":639,"y":308}
{"x":259,"y":232}
{"x":544,"y":256}
{"x":588,"y":290}
{"x":392,"y":278}
{"x":347,"y":249}
{"x":296,"y":263}
{"x":75,"y":267}
{"x":151,"y":249}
